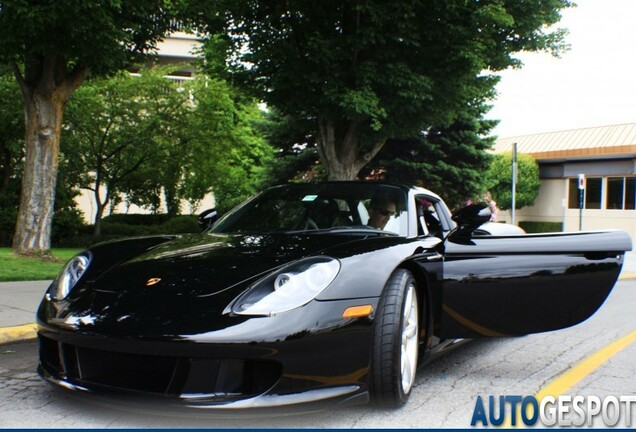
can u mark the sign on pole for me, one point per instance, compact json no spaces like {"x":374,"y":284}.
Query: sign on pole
{"x":581,"y":198}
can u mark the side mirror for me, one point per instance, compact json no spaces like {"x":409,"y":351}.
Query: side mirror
{"x":469,"y":218}
{"x":207,"y":218}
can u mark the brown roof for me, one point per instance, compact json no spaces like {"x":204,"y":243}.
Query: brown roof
{"x":599,"y":141}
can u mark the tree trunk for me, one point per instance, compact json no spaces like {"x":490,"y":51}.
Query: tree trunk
{"x":101,"y":204}
{"x":173,"y":206}
{"x":99,"y":214}
{"x":46,"y":85}
{"x":43,"y":127}
{"x":341,"y":154}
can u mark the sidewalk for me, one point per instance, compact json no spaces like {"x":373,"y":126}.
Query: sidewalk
{"x":19,"y":302}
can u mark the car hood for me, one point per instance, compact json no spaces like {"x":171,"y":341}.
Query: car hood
{"x":207,"y":264}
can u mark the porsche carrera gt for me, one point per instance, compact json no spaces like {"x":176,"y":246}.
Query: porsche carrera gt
{"x":326,"y":293}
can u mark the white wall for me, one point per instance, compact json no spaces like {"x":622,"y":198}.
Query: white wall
{"x":179,"y":44}
{"x":86,"y":203}
{"x":602,"y":219}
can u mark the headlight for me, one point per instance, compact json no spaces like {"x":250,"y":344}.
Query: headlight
{"x":70,"y":274}
{"x":288,"y":288}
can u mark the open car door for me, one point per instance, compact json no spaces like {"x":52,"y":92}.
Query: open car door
{"x":510,"y":286}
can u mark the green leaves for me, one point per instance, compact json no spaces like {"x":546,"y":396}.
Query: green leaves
{"x":156,"y":141}
{"x":499,"y":180}
{"x":11,"y":154}
{"x":118,"y":128}
{"x":392,"y":69}
{"x":76,"y":30}
{"x":450,"y":160}
{"x":363,"y":105}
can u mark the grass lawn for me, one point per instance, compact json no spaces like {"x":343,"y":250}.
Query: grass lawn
{"x":16,"y":268}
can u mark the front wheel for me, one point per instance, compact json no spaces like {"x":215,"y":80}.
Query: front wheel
{"x":396,"y":341}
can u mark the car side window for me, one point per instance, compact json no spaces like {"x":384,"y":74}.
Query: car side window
{"x":428,"y":221}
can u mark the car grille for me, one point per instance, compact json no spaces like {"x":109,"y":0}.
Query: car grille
{"x":217,"y":379}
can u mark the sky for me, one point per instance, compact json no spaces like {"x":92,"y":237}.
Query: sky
{"x":593,"y":84}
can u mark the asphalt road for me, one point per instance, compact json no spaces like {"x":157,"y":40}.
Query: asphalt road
{"x":444,"y":395}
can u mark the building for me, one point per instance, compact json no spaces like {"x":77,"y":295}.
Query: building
{"x":180,"y":48}
{"x":605,"y":155}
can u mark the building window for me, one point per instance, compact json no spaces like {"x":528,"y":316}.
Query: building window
{"x":615,"y":193}
{"x":630,"y":193}
{"x":621,"y":193}
{"x":593,"y":193}
{"x":573,"y":193}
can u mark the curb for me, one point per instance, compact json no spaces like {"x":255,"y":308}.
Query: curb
{"x":18,"y":333}
{"x":627,"y":276}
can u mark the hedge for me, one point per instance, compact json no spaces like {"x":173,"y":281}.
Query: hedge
{"x":541,"y":227}
{"x":114,"y":228}
{"x":137,"y":219}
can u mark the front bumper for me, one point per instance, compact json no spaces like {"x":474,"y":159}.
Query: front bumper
{"x":310,"y":357}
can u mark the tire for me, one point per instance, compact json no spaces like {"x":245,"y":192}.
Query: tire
{"x":396,"y":341}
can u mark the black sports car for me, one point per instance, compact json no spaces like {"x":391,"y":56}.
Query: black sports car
{"x":313,"y":293}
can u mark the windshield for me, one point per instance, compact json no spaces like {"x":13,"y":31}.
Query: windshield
{"x":329,"y":207}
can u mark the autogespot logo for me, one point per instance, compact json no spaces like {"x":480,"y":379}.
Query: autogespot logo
{"x":515,"y":410}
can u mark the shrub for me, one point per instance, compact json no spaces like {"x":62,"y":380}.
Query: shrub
{"x":137,"y":219}
{"x":180,"y":225}
{"x":129,"y":230}
{"x":540,"y":227}
{"x":67,"y":223}
{"x":8,"y":216}
{"x":118,"y":226}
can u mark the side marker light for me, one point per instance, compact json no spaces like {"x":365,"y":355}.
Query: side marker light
{"x":153,"y":281}
{"x":357,"y":311}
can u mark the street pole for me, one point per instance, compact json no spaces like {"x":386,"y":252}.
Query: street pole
{"x":580,"y":209}
{"x":581,"y":198}
{"x":514,"y":181}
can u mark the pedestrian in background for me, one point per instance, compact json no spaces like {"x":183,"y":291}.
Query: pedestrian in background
{"x":492,"y":205}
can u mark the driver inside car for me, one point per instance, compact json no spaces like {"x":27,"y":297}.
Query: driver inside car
{"x":380,"y":211}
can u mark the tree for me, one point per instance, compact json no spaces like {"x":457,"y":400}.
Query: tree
{"x":118,"y":126}
{"x":211,"y":126}
{"x":66,"y":218}
{"x":296,"y":158}
{"x":52,"y":46}
{"x":366,"y":71}
{"x":215,"y":145}
{"x":240,"y":168}
{"x":499,"y":180}
{"x":452,"y":158}
{"x":154,"y":141}
{"x":178,"y":154}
